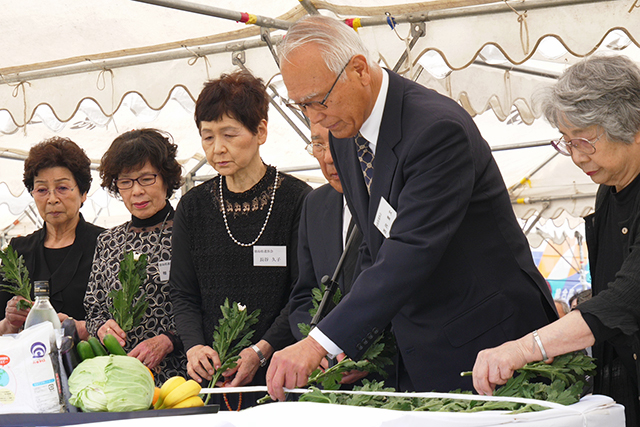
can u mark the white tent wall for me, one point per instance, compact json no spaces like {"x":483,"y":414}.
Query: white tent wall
{"x":92,"y":69}
{"x":580,"y":25}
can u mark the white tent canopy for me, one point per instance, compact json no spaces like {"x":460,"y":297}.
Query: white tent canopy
{"x":91,"y":69}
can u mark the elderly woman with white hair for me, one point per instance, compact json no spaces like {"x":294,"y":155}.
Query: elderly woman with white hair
{"x":596,"y":107}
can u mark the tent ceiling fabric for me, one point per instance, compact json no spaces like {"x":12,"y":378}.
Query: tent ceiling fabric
{"x":106,"y":33}
{"x":92,"y":69}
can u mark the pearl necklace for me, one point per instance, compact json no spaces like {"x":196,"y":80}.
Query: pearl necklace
{"x":224,"y":214}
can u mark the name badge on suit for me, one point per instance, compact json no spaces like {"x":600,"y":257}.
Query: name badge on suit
{"x":385,"y":216}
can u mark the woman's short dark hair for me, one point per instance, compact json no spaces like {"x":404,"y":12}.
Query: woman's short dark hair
{"x":58,"y":152}
{"x":133,"y":149}
{"x":239,"y":95}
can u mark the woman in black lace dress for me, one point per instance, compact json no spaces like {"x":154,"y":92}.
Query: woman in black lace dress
{"x":224,"y":226}
{"x":141,"y":168}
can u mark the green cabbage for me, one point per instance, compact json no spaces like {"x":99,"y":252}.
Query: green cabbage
{"x":111,"y":383}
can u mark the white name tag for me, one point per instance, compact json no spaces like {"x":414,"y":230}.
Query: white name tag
{"x":269,"y":256}
{"x":164,"y":267}
{"x":385,"y":216}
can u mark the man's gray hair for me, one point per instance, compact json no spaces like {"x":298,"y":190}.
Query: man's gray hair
{"x":338,"y":42}
{"x":599,"y":90}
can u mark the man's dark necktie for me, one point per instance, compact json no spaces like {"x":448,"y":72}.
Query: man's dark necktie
{"x":365,"y":155}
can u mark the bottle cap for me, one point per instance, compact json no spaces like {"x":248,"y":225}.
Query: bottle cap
{"x":41,"y":288}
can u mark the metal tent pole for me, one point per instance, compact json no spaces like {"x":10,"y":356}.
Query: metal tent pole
{"x":187,"y":6}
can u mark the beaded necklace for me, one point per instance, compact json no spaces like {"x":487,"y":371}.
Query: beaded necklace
{"x":224,"y":214}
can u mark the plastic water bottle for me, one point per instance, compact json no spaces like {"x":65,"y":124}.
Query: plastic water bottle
{"x":42,"y":310}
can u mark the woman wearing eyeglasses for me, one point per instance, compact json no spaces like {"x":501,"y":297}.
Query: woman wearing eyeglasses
{"x":57,"y":174}
{"x":141,"y":168}
{"x":596,"y":107}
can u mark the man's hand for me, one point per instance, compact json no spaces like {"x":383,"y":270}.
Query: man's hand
{"x":351,"y":376}
{"x":199,"y":358}
{"x":292,"y":366}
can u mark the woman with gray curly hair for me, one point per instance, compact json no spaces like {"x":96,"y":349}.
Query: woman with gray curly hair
{"x":596,"y":107}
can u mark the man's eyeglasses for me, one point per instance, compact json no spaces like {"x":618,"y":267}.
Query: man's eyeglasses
{"x":317,"y":105}
{"x":583,"y":145}
{"x":316,"y":149}
{"x":144,"y":180}
{"x":44,"y":192}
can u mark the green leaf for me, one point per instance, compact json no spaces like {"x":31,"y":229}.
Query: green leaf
{"x":567,"y":373}
{"x":128,"y":304}
{"x":374,"y":359}
{"x":16,"y":276}
{"x":231,"y":335}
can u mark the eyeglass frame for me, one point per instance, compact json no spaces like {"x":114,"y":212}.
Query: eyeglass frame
{"x":310,"y":147}
{"x":56,"y":191}
{"x":155,"y":179}
{"x":561,"y":142}
{"x":317,"y":105}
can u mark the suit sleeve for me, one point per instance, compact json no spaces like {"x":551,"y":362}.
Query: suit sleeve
{"x":184,"y":286}
{"x":300,"y":301}
{"x":438,"y":175}
{"x":279,"y":335}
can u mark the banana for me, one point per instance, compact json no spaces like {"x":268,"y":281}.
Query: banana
{"x":189,"y":402}
{"x":168,"y":386}
{"x":180,"y":393}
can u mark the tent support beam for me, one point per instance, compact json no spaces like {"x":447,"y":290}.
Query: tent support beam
{"x":516,"y":68}
{"x":217,"y":12}
{"x":520,"y":145}
{"x":532,"y":200}
{"x":458,"y":12}
{"x":545,"y":206}
{"x":309,"y":7}
{"x":536,"y":170}
{"x":148,"y":58}
{"x":238,"y":60}
{"x":265,"y":35}
{"x":418,"y":30}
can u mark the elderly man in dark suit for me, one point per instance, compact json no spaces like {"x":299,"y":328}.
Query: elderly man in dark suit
{"x":443,"y":258}
{"x":325,"y":223}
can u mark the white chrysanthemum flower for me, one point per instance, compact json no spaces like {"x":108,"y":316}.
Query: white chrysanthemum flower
{"x":241,"y":307}
{"x":136,"y":256}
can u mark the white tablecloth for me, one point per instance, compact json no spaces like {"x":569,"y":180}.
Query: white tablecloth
{"x":591,"y":411}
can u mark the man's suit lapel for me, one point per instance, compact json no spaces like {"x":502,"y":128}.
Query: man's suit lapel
{"x":363,"y":207}
{"x":385,"y":160}
{"x":331,"y":220}
{"x":351,"y":176}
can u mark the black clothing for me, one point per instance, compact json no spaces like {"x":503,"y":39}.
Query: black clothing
{"x":613,"y":239}
{"x":209,"y":267}
{"x":67,"y":281}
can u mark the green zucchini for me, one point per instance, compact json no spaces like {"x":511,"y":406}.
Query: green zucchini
{"x":112,"y":344}
{"x":84,"y":350}
{"x":97,"y":348}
